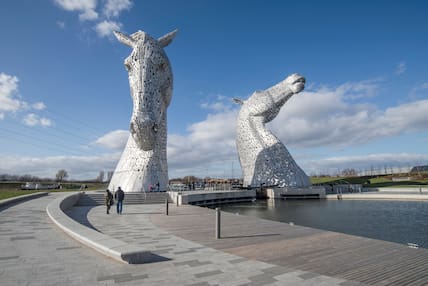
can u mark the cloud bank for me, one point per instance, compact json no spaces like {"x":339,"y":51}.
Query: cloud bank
{"x":325,"y":117}
{"x":106,"y":19}
{"x":78,"y":167}
{"x":11,"y":102}
{"x":329,"y":117}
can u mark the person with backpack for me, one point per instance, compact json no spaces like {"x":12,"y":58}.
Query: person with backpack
{"x":108,"y":200}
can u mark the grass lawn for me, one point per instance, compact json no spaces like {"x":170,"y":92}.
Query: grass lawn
{"x":5,"y":194}
{"x":12,"y":189}
{"x":369,"y":182}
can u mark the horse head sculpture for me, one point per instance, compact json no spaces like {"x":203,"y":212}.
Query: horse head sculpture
{"x":264,"y":159}
{"x":144,"y":161}
{"x":150,"y":80}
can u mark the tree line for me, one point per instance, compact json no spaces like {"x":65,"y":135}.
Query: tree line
{"x":60,"y":176}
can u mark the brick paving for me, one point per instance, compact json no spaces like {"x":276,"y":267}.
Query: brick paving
{"x":33,"y":251}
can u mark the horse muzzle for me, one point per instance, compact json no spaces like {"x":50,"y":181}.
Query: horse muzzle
{"x":144,"y":133}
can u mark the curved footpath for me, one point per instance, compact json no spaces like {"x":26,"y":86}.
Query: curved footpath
{"x":33,"y":251}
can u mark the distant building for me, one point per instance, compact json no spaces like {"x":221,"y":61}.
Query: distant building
{"x":418,"y":169}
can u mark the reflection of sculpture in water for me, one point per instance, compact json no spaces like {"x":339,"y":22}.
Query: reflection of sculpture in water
{"x":144,"y":160}
{"x":264,"y":159}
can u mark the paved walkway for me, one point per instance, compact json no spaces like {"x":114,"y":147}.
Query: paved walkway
{"x":370,"y":261}
{"x":33,"y":251}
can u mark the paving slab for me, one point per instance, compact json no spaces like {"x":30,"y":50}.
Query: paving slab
{"x":35,"y":252}
{"x":329,"y":254}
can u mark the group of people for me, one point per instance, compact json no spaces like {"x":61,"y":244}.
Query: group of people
{"x":119,"y":196}
{"x":152,"y":189}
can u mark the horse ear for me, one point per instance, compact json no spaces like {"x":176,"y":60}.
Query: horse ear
{"x":124,"y":39}
{"x":238,"y":101}
{"x":167,"y":39}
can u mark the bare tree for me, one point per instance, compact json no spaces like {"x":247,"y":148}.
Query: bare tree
{"x":109,"y":175}
{"x":61,"y":175}
{"x":349,"y":172}
{"x":100,"y":177}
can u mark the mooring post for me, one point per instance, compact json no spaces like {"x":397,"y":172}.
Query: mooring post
{"x":166,"y":206}
{"x":217,"y":223}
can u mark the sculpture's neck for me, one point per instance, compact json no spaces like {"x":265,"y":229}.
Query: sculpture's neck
{"x":253,"y":133}
{"x":262,"y":135}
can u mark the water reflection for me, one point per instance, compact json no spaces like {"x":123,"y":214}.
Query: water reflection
{"x":397,"y":221}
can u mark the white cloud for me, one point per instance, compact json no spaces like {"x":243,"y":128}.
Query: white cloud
{"x":39,"y":106}
{"x":45,"y":122}
{"x":425,"y":85}
{"x":401,"y":68}
{"x":87,"y":10}
{"x":31,"y":119}
{"x":76,"y":5}
{"x":9,"y":98}
{"x":10,"y":102}
{"x":221,"y":104}
{"x":114,"y":140}
{"x":61,"y":24}
{"x":207,"y":147}
{"x":34,"y":120}
{"x":106,"y":28}
{"x":355,"y":90}
{"x":85,"y":7}
{"x":324,"y":118}
{"x":88,"y":15}
{"x":114,"y":7}
{"x":78,"y":167}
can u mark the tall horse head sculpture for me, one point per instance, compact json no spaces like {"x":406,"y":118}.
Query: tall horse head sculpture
{"x":144,"y":161}
{"x":264,"y":159}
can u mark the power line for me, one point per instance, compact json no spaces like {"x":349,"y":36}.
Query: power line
{"x":45,"y":142}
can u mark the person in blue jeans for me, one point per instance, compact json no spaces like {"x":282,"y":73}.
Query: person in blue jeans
{"x":119,"y":195}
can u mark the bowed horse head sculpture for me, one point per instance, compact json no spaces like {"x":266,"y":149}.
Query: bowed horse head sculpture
{"x":264,"y":159}
{"x":150,"y":80}
{"x":144,"y":160}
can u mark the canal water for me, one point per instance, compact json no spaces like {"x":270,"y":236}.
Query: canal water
{"x":397,"y":221}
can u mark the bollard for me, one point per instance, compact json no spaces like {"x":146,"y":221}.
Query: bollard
{"x":166,"y":206}
{"x":217,"y":223}
{"x":177,"y":198}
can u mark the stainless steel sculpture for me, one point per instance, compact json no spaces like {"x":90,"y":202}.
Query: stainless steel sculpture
{"x":144,"y":160}
{"x":264,"y":159}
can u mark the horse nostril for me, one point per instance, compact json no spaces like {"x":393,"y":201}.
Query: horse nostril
{"x":155,"y":127}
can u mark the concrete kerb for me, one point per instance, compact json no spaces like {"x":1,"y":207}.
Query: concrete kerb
{"x":111,"y":247}
{"x":14,"y":200}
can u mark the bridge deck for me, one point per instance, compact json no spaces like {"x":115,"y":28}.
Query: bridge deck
{"x":365,"y":260}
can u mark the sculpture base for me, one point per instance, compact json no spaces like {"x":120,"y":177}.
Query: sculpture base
{"x":313,"y":192}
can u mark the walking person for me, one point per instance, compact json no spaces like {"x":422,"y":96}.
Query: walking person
{"x":108,"y":200}
{"x":119,"y":195}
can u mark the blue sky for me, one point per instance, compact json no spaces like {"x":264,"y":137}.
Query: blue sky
{"x":64,"y":92}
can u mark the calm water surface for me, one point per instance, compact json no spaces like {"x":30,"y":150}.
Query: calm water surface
{"x":402,"y":222}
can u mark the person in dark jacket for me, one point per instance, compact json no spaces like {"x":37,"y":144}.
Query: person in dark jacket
{"x":119,"y":196}
{"x":108,"y":200}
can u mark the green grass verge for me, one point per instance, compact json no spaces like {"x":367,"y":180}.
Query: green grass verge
{"x":369,"y":182}
{"x":12,"y":189}
{"x":6,"y":194}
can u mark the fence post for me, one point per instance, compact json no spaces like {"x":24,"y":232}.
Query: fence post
{"x":217,"y":223}
{"x":166,"y":206}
